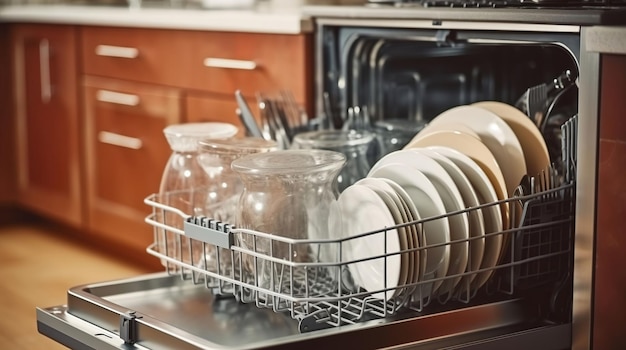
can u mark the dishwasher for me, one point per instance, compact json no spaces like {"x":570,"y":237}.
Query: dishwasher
{"x":412,"y":60}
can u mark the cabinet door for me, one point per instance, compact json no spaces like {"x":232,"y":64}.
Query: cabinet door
{"x":7,"y":124}
{"x":125,"y":154}
{"x":45,"y":85}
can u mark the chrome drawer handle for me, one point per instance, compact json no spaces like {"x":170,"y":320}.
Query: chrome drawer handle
{"x":227,"y":63}
{"x":114,"y":139}
{"x":117,"y":98}
{"x":44,"y":70}
{"x":116,"y":51}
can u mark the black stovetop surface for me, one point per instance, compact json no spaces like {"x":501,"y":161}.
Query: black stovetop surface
{"x":562,"y":12}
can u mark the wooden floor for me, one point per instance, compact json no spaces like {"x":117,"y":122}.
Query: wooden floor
{"x":38,"y":264}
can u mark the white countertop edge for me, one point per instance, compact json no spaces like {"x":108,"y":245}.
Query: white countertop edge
{"x":278,"y":22}
{"x":607,"y":39}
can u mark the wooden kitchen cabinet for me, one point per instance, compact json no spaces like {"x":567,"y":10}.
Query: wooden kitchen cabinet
{"x":47,"y":120}
{"x":91,"y":103}
{"x":125,"y":154}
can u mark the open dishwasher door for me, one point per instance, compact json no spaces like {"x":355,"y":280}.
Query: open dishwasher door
{"x":188,"y":307}
{"x":160,"y":311}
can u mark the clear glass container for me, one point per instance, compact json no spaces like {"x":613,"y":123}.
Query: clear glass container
{"x":288,"y":193}
{"x":394,"y":134}
{"x":184,"y":181}
{"x":223,"y":187}
{"x":355,"y":145}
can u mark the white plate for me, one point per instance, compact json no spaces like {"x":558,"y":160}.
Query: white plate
{"x":478,"y":152}
{"x":535,"y":150}
{"x":452,"y":201}
{"x":474,"y":257}
{"x":495,"y":134}
{"x":429,"y":204}
{"x":395,"y":205}
{"x":416,"y":230}
{"x":362,"y":211}
{"x":491,"y":214}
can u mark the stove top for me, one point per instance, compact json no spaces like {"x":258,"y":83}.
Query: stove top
{"x":528,"y":4}
{"x":549,"y":12}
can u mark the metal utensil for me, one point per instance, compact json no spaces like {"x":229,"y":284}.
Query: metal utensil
{"x":266,"y":130}
{"x":536,"y":102}
{"x":246,"y":116}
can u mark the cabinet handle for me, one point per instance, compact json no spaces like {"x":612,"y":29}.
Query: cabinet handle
{"x":114,"y":139}
{"x":117,"y":51}
{"x":117,"y":98}
{"x":213,"y":62}
{"x":44,"y":70}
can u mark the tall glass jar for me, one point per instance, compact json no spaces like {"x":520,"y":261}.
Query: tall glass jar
{"x":183,"y":181}
{"x":224,"y":187}
{"x":287,"y":193}
{"x":353,"y":144}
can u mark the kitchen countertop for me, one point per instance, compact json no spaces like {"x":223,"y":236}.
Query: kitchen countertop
{"x":295,"y":20}
{"x":607,"y":40}
{"x":261,"y":20}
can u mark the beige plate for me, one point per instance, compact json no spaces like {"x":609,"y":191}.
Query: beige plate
{"x":535,"y":150}
{"x":495,"y":134}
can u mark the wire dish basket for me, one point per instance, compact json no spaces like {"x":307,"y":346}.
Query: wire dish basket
{"x":535,"y":252}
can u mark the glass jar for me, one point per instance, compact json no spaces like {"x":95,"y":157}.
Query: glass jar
{"x":354,"y":145}
{"x":223,"y":188}
{"x":394,"y":134}
{"x":183,"y":181}
{"x":287,"y":193}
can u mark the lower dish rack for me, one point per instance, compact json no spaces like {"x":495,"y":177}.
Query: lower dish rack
{"x":536,"y":252}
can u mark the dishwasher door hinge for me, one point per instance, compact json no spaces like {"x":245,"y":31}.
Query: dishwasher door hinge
{"x":128,"y":327}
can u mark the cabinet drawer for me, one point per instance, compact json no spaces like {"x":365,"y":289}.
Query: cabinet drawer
{"x":222,"y":62}
{"x":144,"y":55}
{"x":125,"y":153}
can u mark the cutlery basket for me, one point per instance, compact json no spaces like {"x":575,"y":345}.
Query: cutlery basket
{"x":536,"y":258}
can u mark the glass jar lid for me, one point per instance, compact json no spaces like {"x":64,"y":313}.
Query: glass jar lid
{"x":243,"y":145}
{"x":287,"y":162}
{"x":184,"y":137}
{"x":333,"y":138}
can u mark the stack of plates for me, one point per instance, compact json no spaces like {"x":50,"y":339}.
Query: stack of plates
{"x":466,"y":157}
